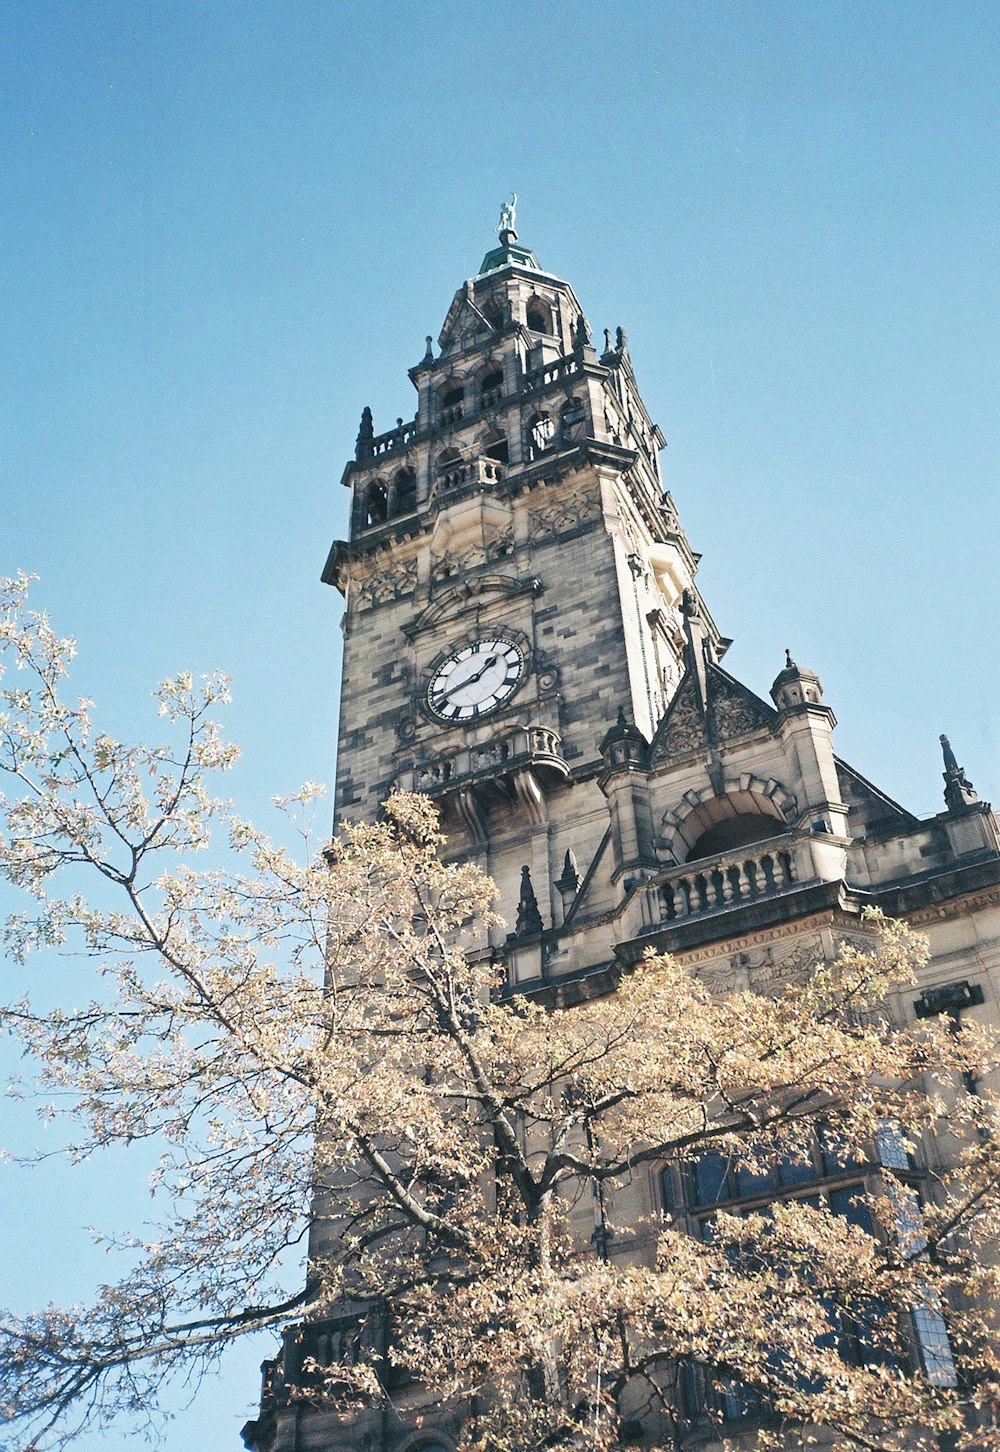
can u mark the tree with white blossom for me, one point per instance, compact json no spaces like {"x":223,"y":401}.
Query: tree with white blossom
{"x":321,"y":1051}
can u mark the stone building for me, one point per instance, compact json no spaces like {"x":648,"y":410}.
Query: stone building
{"x":525,"y":641}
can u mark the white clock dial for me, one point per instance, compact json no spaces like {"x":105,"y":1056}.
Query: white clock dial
{"x":475,"y":680}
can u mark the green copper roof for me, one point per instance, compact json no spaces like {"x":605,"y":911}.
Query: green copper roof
{"x":508,"y":254}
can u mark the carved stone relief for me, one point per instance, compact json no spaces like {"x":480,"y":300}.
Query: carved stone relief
{"x":684,"y":730}
{"x":772,"y":974}
{"x":380,"y":577}
{"x":559,"y":516}
{"x":472,"y":558}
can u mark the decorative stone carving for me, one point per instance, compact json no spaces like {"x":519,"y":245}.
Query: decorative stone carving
{"x":683,"y":730}
{"x":546,"y":674}
{"x":559,"y":516}
{"x":380,"y":578}
{"x":451,"y":565}
{"x":734,"y":712}
{"x":406,"y":727}
{"x":772,"y":977}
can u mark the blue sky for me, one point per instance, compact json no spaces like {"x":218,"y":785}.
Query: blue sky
{"x":230,"y":226}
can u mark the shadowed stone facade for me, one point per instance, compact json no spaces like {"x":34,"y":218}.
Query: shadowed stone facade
{"x":626,"y":792}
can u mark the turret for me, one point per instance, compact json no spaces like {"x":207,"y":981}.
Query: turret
{"x":806,"y":724}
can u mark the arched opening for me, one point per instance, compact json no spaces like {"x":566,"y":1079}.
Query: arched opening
{"x":448,"y":463}
{"x":734,"y":832}
{"x":541,"y":431}
{"x":491,"y":387}
{"x":452,"y":398}
{"x":376,"y":503}
{"x":405,"y":490}
{"x":492,"y":312}
{"x":495,"y":446}
{"x":538,"y":315}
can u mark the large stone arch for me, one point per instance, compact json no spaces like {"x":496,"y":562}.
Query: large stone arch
{"x":744,"y":800}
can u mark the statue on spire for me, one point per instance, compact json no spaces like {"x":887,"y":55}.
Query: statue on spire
{"x":508,"y":212}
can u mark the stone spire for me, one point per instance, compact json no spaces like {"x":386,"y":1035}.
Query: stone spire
{"x":529,"y":919}
{"x":366,"y":434}
{"x":958,"y":789}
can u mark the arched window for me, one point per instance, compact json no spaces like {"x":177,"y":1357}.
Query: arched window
{"x":376,"y":503}
{"x":452,"y":398}
{"x":538,"y":315}
{"x":491,"y":387}
{"x":495,"y":446}
{"x":405,"y":491}
{"x":733,"y":832}
{"x":449,"y":461}
{"x":493,"y":312}
{"x":541,"y":431}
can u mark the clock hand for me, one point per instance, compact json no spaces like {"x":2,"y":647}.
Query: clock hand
{"x":471,"y":680}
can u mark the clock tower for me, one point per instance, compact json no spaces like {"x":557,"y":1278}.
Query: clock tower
{"x":514,"y":579}
{"x":525,"y":642}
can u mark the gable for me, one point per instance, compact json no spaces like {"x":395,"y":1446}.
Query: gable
{"x":731,"y":710}
{"x":463,"y":324}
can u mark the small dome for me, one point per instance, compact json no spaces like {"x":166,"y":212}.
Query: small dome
{"x":796,"y":686}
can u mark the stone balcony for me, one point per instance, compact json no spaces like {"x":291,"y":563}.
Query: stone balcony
{"x":467,"y":476}
{"x":740,"y":879}
{"x":537,"y":748}
{"x":518,"y":767}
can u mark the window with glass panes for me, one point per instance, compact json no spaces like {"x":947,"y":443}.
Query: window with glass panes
{"x":820,"y":1174}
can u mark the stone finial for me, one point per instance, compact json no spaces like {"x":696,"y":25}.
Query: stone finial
{"x":581,"y":334}
{"x":607,"y":340}
{"x":958,"y":789}
{"x":621,"y":340}
{"x":429,"y":350}
{"x":789,"y":663}
{"x":529,"y":919}
{"x":366,"y":434}
{"x":568,"y":882}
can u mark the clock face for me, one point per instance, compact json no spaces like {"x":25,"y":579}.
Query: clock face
{"x":475,"y":680}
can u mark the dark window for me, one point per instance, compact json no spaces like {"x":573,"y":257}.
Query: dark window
{"x":376,"y":503}
{"x":538,"y":315}
{"x":737,"y":831}
{"x":495,"y":446}
{"x":491,"y":387}
{"x":405,"y":487}
{"x":541,"y":431}
{"x":867,"y":1332}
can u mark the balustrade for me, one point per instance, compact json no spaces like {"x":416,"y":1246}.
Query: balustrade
{"x":537,"y":747}
{"x":480,"y":470}
{"x":396,"y":438}
{"x":726,"y":882}
{"x":550,"y":372}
